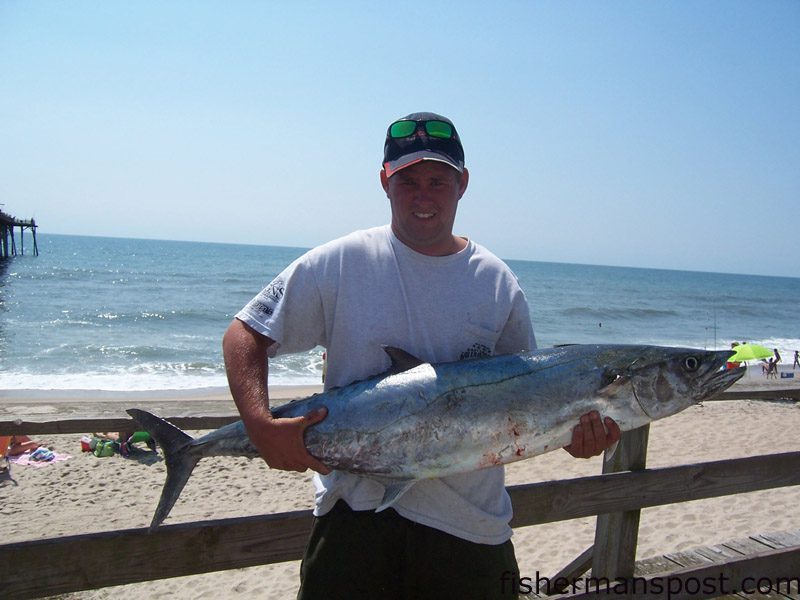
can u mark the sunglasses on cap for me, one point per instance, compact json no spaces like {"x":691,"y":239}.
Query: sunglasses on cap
{"x":433,"y":128}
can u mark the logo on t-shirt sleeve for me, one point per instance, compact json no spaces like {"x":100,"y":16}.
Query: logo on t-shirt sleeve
{"x":267,"y":300}
{"x":274,"y":291}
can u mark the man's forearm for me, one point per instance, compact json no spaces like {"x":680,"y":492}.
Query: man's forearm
{"x":280,"y":441}
{"x":245,"y":353}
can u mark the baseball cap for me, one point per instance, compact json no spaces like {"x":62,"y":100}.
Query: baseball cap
{"x":422,"y":136}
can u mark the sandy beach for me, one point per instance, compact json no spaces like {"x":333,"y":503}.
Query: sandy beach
{"x":85,"y":494}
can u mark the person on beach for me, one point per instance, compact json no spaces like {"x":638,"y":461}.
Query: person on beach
{"x":415,"y":285}
{"x":14,"y":445}
{"x":796,"y":362}
{"x":772,"y":369}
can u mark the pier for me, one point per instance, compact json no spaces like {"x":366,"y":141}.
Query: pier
{"x":8,"y":244}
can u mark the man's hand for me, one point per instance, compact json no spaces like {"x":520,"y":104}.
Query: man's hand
{"x":590,"y":438}
{"x":280,"y":442}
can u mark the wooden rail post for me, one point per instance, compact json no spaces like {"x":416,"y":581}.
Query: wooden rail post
{"x":617,"y":534}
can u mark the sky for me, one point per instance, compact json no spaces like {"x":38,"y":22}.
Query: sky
{"x":646,"y":134}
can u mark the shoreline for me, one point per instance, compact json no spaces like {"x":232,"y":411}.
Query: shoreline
{"x":753,"y":379}
{"x":213,"y":393}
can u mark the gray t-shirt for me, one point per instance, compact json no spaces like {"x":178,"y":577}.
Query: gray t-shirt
{"x":358,"y":293}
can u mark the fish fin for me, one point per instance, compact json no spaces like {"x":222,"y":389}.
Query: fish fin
{"x":401,"y":360}
{"x":180,"y":462}
{"x":614,"y":387}
{"x":611,"y":451}
{"x":393,"y":492}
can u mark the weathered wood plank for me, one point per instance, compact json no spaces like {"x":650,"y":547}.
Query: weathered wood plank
{"x":617,"y":534}
{"x":532,"y":596}
{"x":722,"y":553}
{"x":782,"y":539}
{"x":109,"y":414}
{"x":719,"y":553}
{"x":78,"y":426}
{"x":586,"y":496}
{"x":84,"y":562}
{"x":654,"y":565}
{"x":572,"y":571}
{"x":757,"y":595}
{"x":705,"y":580}
{"x":707,"y":555}
{"x":773,"y":394}
{"x":747,"y":545}
{"x":688,"y":558}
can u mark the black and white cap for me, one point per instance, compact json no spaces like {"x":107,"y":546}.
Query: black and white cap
{"x":401,"y":152}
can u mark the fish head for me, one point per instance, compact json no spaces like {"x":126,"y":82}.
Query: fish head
{"x":667,"y":380}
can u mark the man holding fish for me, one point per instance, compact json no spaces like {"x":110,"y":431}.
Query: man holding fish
{"x":416,"y":286}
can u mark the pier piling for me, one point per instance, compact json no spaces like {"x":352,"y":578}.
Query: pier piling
{"x":8,"y":245}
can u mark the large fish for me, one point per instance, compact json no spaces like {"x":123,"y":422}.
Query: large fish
{"x":422,"y":420}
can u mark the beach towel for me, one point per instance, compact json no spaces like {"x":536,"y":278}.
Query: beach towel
{"x":25,"y":460}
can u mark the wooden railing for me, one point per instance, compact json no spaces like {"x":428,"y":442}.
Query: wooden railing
{"x":81,"y":562}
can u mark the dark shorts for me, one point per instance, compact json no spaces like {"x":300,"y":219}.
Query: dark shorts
{"x":363,"y":554}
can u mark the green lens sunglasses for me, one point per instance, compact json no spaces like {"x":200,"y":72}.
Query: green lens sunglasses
{"x":436,"y":129}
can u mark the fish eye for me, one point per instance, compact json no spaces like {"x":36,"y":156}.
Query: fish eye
{"x":691,"y":363}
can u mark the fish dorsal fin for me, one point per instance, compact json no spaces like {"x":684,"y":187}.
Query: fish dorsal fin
{"x":393,"y":492}
{"x":401,"y":360}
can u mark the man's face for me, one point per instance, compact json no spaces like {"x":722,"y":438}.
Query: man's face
{"x":424,"y":198}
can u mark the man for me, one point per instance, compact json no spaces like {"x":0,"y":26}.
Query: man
{"x":417,"y":286}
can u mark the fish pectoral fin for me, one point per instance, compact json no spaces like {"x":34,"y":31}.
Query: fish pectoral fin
{"x":611,"y":451}
{"x":393,"y":492}
{"x":613,"y":388}
{"x":401,"y":360}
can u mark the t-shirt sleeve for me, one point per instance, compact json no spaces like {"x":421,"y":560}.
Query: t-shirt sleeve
{"x":517,"y":335}
{"x":288,"y":310}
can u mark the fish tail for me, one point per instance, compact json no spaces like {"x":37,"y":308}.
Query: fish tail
{"x":180,"y":461}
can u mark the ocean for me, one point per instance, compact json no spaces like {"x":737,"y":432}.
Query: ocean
{"x":92,"y":313}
